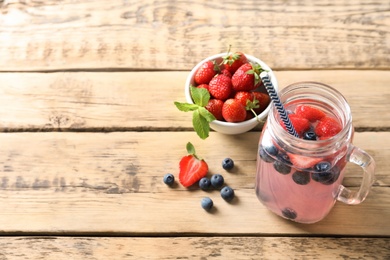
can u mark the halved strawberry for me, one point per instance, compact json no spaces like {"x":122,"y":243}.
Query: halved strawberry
{"x":192,"y":168}
{"x":327,"y":127}
{"x":300,"y":124}
{"x":303,"y":162}
{"x":310,"y":113}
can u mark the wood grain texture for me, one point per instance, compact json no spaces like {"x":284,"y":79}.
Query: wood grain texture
{"x":96,"y":183}
{"x":89,"y":248}
{"x":175,"y":35}
{"x":144,"y":100}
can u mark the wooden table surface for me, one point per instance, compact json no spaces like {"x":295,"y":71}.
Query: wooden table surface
{"x":88,"y":127}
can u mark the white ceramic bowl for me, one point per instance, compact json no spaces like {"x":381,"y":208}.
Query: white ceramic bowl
{"x":228,"y":127}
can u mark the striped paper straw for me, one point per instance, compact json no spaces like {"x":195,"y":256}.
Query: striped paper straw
{"x":278,"y":104}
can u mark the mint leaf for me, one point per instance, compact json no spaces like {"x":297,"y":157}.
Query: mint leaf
{"x":201,"y":126}
{"x":186,"y":106}
{"x":201,"y":96}
{"x":206,"y":114}
{"x":190,"y":148}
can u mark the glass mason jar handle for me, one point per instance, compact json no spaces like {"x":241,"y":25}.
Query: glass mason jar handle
{"x":364,"y":160}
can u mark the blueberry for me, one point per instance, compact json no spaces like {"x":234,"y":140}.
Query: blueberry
{"x":301,"y":178}
{"x":322,"y":166}
{"x":289,"y":213}
{"x":282,"y":164}
{"x":322,"y":177}
{"x":217,"y":181}
{"x":325,"y":174}
{"x":328,"y":177}
{"x":227,"y":193}
{"x":206,"y":203}
{"x":204,"y":183}
{"x":266,"y":151}
{"x":310,"y":135}
{"x":169,"y":179}
{"x":227,"y":164}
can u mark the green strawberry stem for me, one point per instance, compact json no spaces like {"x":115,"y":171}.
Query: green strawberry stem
{"x":191,"y":150}
{"x":251,"y":105}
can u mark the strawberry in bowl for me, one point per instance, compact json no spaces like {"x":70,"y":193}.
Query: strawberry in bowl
{"x":229,"y":88}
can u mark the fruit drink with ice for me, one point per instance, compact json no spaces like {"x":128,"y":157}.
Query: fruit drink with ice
{"x":300,"y":178}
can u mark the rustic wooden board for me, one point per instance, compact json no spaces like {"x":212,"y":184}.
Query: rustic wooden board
{"x":144,"y":100}
{"x":193,"y":248}
{"x":174,"y":35}
{"x":96,"y":183}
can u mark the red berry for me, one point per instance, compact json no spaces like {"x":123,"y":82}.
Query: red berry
{"x":327,"y":127}
{"x":205,"y":86}
{"x":226,"y":73}
{"x":215,"y":107}
{"x":300,"y":124}
{"x":246,"y":78}
{"x":233,"y":111}
{"x":310,"y":113}
{"x":205,"y":73}
{"x":243,"y":97}
{"x":192,"y":170}
{"x":263,"y":99}
{"x":220,"y":87}
{"x":233,"y":61}
{"x":303,"y":162}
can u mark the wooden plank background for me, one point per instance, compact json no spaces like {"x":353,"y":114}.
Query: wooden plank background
{"x":112,"y":183}
{"x":134,"y":100}
{"x":174,"y":35}
{"x":201,"y":248}
{"x":81,"y":86}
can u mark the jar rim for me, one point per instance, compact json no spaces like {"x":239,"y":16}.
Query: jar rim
{"x":299,"y":145}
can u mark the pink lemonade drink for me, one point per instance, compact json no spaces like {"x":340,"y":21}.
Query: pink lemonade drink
{"x":300,"y":178}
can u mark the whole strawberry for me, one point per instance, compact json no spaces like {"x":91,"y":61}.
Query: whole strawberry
{"x":192,"y":167}
{"x":206,"y":86}
{"x":233,"y":61}
{"x":233,"y":111}
{"x":226,"y":73}
{"x":206,"y":72}
{"x":215,"y":107}
{"x":247,"y":77}
{"x":243,"y":97}
{"x":220,"y":87}
{"x":263,"y":99}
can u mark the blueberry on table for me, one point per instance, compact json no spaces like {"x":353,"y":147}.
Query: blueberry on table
{"x":217,"y":181}
{"x":169,"y":179}
{"x":204,"y":183}
{"x":289,"y":213}
{"x":301,"y":178}
{"x":227,"y":193}
{"x":227,"y":164}
{"x":206,"y":203}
